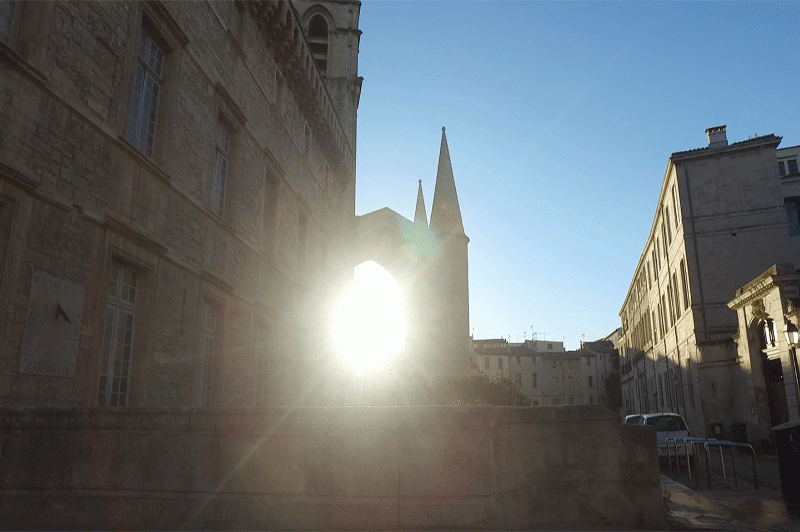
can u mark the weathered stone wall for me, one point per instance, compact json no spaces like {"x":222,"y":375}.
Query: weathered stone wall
{"x":76,"y":195}
{"x":327,"y":468}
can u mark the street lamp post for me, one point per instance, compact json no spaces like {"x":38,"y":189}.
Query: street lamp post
{"x":793,"y":338}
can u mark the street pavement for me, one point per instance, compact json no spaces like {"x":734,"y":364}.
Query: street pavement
{"x":726,"y":506}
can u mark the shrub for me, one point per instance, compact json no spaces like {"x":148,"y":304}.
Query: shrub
{"x":474,"y":388}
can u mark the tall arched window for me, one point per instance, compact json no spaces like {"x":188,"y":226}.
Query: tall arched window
{"x":684,"y":285}
{"x":318,"y":40}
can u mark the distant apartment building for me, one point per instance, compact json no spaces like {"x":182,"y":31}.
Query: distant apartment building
{"x":545,"y":372}
{"x":545,"y":346}
{"x":719,"y":222}
{"x":607,"y":369}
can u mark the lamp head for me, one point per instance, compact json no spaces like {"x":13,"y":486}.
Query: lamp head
{"x":791,"y":333}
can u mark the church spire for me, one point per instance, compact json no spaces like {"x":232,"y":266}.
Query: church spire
{"x":445,"y":212}
{"x":420,"y":216}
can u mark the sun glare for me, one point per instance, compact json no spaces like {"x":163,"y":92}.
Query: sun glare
{"x":369,"y":319}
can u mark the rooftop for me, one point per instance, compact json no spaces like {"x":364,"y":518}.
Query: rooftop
{"x":755,"y":141}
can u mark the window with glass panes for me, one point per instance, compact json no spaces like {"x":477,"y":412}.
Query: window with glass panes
{"x":685,"y":285}
{"x":7,"y":11}
{"x":220,"y":169}
{"x":208,"y":348}
{"x":675,"y":204}
{"x":792,"y":206}
{"x":262,"y":356}
{"x":118,"y":336}
{"x":147,"y":82}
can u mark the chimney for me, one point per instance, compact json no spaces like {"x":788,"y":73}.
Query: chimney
{"x":717,"y":137}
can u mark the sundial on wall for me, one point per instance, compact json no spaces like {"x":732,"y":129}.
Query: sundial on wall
{"x":52,"y":326}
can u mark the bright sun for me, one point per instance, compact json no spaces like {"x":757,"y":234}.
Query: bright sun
{"x":369,"y":319}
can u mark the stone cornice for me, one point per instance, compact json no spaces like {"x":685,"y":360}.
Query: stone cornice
{"x":754,"y":291}
{"x":17,"y":179}
{"x":120,"y":227}
{"x":284,"y":35}
{"x":777,"y":276}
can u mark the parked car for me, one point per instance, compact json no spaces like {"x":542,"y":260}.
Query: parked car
{"x":667,"y":425}
{"x":633,"y":419}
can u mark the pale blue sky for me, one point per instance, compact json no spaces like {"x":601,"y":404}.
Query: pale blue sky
{"x":560,"y":119}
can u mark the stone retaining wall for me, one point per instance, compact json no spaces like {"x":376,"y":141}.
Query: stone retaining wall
{"x":390,"y":468}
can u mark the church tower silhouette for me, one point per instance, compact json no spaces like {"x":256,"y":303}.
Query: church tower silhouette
{"x":430,"y":263}
{"x":447,"y":309}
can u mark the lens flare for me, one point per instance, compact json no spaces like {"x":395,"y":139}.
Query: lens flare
{"x":369,"y":319}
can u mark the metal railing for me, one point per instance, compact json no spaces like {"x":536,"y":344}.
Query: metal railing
{"x":733,"y":447}
{"x":690,"y":452}
{"x":691,"y":447}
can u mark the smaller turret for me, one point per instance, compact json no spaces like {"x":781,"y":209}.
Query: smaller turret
{"x":420,"y":216}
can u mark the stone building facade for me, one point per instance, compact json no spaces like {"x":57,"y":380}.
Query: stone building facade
{"x":719,"y":223}
{"x":176,"y":198}
{"x":548,"y":374}
{"x":768,"y":310}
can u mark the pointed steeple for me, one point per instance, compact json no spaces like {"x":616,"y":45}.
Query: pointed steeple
{"x":420,"y":216}
{"x":445,"y":212}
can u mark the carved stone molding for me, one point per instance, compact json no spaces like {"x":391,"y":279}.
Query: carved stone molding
{"x":758,"y":310}
{"x":283,"y":33}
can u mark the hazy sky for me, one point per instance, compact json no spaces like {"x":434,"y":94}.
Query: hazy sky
{"x":560,"y":119}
